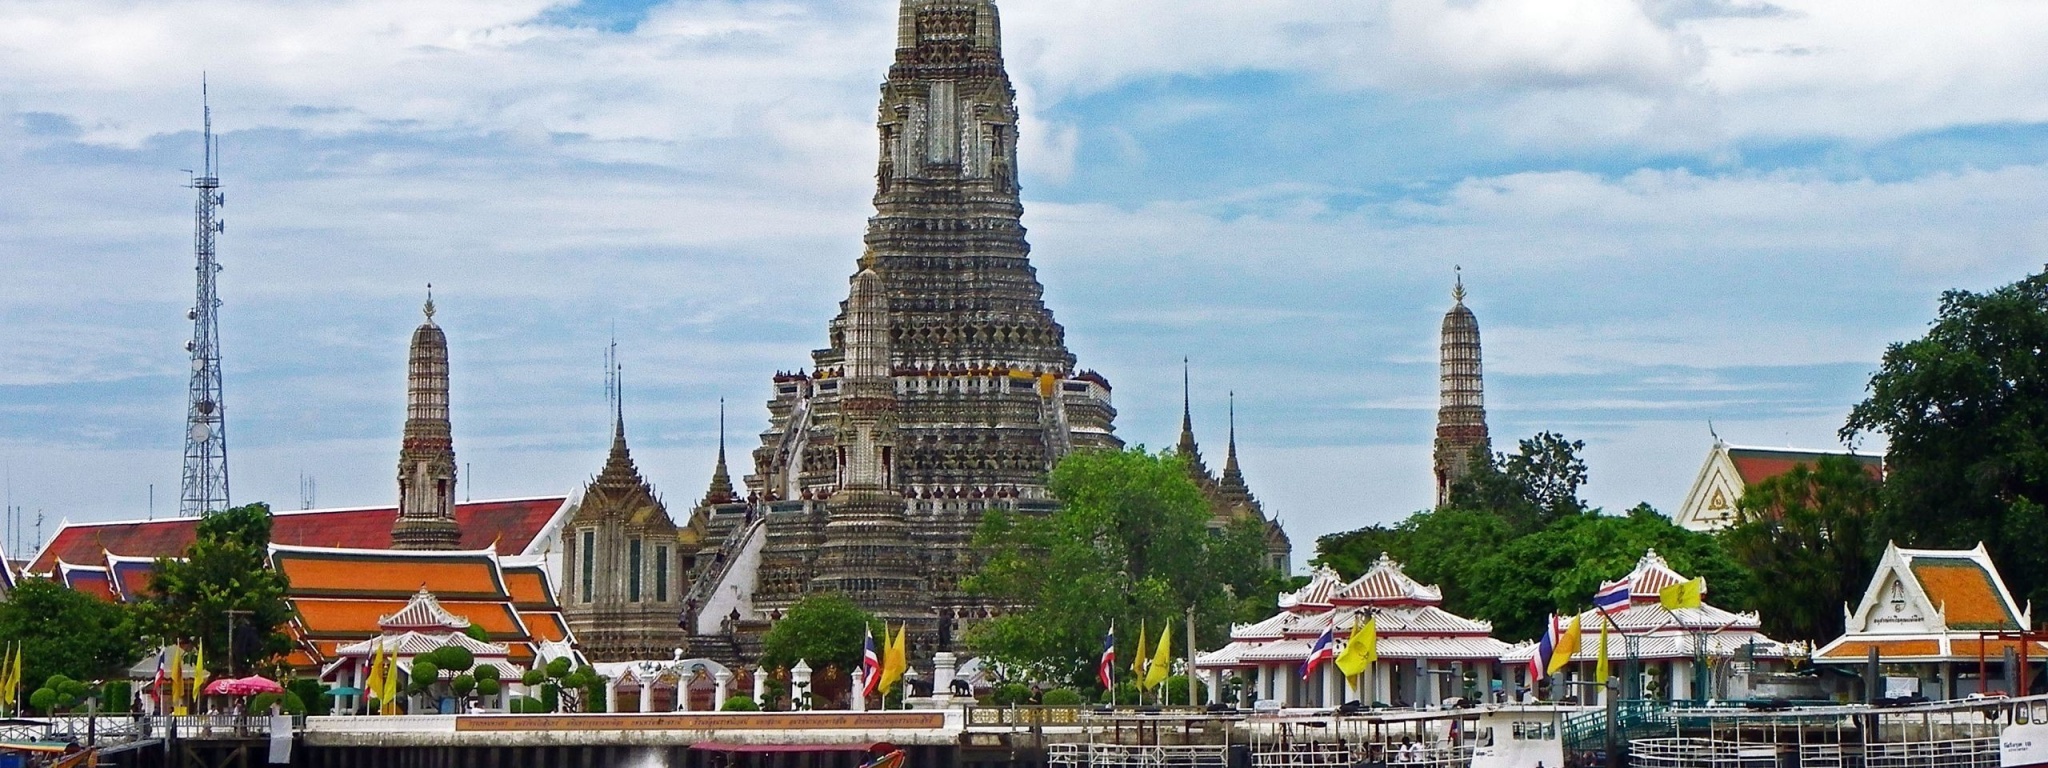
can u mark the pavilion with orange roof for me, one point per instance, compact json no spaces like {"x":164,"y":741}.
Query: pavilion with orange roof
{"x":1932,"y":619}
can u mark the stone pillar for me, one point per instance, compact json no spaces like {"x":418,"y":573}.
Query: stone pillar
{"x":800,"y":685}
{"x":943,"y":667}
{"x":761,"y":687}
{"x":647,"y":695}
{"x":724,"y":682}
{"x":858,"y":693}
{"x":1214,"y":678}
{"x":611,"y":695}
{"x":1333,"y":685}
{"x":1263,"y":684}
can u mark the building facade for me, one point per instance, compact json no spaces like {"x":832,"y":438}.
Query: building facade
{"x":426,"y":458}
{"x":1729,"y":471}
{"x":624,"y":564}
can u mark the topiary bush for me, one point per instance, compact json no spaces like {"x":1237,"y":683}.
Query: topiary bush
{"x":290,"y":701}
{"x":462,"y":685}
{"x":454,"y":658}
{"x":424,"y":674}
{"x":550,"y":699}
{"x":740,"y":704}
{"x":116,"y":695}
{"x":559,"y":668}
{"x":1061,"y":697}
{"x":487,"y":672}
{"x":43,"y":700}
{"x":533,"y":677}
{"x":1009,"y":694}
{"x":525,"y":705}
{"x":477,"y":633}
{"x":489,"y":687}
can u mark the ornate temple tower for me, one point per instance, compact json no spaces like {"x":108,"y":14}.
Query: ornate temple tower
{"x":1461,"y":414}
{"x":623,"y":563}
{"x":988,"y":396}
{"x":866,"y":554}
{"x":426,"y":457}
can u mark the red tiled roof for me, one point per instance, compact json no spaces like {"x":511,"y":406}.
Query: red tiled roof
{"x":508,"y":526}
{"x":1756,"y":465}
{"x":131,"y":577}
{"x":87,"y":579}
{"x":1964,"y":592}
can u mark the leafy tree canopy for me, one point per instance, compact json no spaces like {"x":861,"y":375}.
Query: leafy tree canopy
{"x":1965,"y":409}
{"x":67,"y":633}
{"x":1528,"y":489}
{"x":1130,"y":543}
{"x":824,"y":629}
{"x":1810,"y":529}
{"x":226,"y":569}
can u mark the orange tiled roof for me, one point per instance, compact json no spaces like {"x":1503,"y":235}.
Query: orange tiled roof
{"x":1857,"y":649}
{"x":350,"y":619}
{"x":545,"y":626}
{"x":1964,"y":592}
{"x":507,"y":526}
{"x":87,"y":579}
{"x":1994,"y":649}
{"x":389,"y":574}
{"x":529,"y":587}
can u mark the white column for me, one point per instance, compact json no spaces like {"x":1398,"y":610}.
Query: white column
{"x":858,"y":693}
{"x":943,"y":664}
{"x":761,"y":686}
{"x":1215,"y":680}
{"x":683,"y":690}
{"x":724,"y":682}
{"x":647,"y":695}
{"x":1262,"y":684}
{"x":1333,"y":685}
{"x":611,"y":694}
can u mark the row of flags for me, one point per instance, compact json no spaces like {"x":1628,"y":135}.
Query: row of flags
{"x":171,"y":660}
{"x":882,"y":672}
{"x":1361,"y":649}
{"x":383,"y":681}
{"x":1561,"y":641}
{"x":1150,"y":670}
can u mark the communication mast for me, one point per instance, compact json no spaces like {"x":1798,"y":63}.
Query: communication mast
{"x":206,"y":438}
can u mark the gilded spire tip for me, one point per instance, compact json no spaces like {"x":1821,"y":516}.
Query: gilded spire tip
{"x":1458,"y":289}
{"x":430,"y":302}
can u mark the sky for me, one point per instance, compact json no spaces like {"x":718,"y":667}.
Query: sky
{"x":1669,"y":214}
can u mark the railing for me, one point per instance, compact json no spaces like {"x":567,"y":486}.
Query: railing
{"x":1122,"y":756}
{"x":1955,"y":753}
{"x":1636,"y":719}
{"x":116,"y":729}
{"x":1829,"y":756}
{"x":712,"y":572}
{"x":1705,"y":753}
{"x":1022,"y":717}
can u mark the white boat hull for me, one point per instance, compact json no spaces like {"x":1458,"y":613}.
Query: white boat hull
{"x":2023,"y":746}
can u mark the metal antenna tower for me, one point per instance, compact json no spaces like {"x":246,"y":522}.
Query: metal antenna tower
{"x":206,"y":439}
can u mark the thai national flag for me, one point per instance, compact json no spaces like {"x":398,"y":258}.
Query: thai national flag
{"x":157,"y":690}
{"x":1539,"y":665}
{"x":1611,"y":596}
{"x":1105,"y":670}
{"x":870,"y":663}
{"x":1325,"y":649}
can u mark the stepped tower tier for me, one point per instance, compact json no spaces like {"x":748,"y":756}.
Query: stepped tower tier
{"x":426,"y":457}
{"x":988,"y":397}
{"x":624,"y":561}
{"x":1461,"y":414}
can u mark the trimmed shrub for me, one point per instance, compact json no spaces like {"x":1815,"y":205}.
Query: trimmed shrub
{"x":454,"y":658}
{"x":1061,"y":697}
{"x":289,"y":700}
{"x":116,"y":695}
{"x":424,"y":673}
{"x":477,"y":633}
{"x":462,"y":685}
{"x":487,"y":672}
{"x":43,"y":700}
{"x":559,"y":668}
{"x":1011,"y":693}
{"x":488,"y":687}
{"x":533,"y":677}
{"x":550,"y":699}
{"x":740,"y":704}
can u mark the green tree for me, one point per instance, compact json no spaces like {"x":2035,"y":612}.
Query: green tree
{"x":226,"y":569}
{"x":823,"y":628}
{"x":1130,"y":543}
{"x":1559,"y":568}
{"x":68,"y":633}
{"x":1536,"y":485}
{"x":1810,"y":530}
{"x":1965,"y":410}
{"x":1440,"y":547}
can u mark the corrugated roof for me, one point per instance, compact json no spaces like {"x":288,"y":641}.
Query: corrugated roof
{"x":508,"y":526}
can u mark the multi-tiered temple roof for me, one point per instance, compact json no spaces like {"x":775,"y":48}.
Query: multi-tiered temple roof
{"x":1410,"y":621}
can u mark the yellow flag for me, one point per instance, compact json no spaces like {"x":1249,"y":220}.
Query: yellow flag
{"x":1162,"y":659}
{"x":1600,"y":668}
{"x":1682,"y":595}
{"x":1362,"y":649}
{"x":373,"y":687}
{"x":7,"y":663}
{"x":1140,"y":659}
{"x":389,"y":695}
{"x":895,"y":657}
{"x":177,"y":682}
{"x":199,"y":674}
{"x":1567,"y":647}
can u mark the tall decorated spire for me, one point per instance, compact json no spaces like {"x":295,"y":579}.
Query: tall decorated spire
{"x":721,"y":480}
{"x":1189,"y":450}
{"x":426,"y":456}
{"x":866,"y":554}
{"x":1461,"y":412}
{"x":1234,"y":488}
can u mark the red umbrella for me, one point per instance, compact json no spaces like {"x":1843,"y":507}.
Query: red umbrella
{"x":225,"y":685}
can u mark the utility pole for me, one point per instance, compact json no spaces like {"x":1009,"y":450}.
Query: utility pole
{"x":1193,"y":700}
{"x":234,"y":618}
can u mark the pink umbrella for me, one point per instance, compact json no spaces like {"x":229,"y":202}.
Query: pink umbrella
{"x":254,"y":684}
{"x":222,"y":686}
